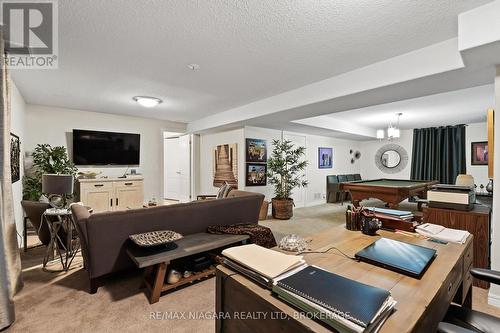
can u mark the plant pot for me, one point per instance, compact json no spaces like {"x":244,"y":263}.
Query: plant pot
{"x":282,"y":208}
{"x":263,"y":210}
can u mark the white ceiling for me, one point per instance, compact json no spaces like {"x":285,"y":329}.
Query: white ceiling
{"x":464,"y":106}
{"x":111,"y":50}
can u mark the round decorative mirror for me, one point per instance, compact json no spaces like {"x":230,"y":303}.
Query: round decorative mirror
{"x":391,"y":158}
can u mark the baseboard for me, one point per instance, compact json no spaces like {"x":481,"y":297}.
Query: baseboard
{"x":315,"y":203}
{"x":493,"y":299}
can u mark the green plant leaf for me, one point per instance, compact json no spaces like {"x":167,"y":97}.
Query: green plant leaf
{"x":285,"y":167}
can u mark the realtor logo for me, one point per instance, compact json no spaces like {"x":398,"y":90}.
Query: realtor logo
{"x":30,"y":33}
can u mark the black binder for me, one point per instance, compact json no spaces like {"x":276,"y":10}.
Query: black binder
{"x":404,"y":258}
{"x":353,"y":300}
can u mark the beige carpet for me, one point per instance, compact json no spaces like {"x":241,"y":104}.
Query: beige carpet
{"x":59,"y":302}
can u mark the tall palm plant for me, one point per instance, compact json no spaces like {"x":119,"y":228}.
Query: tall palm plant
{"x":285,"y":172}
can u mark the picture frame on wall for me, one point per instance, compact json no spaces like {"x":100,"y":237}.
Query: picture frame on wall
{"x":479,"y":153}
{"x":225,"y":165}
{"x":15,"y":155}
{"x":256,"y":150}
{"x":256,"y":174}
{"x":325,"y":158}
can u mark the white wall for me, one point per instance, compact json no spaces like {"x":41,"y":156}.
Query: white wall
{"x":473,"y":133}
{"x":476,"y":133}
{"x":315,"y":193}
{"x":54,"y":126}
{"x":315,"y":176}
{"x":17,"y":127}
{"x":369,"y":149}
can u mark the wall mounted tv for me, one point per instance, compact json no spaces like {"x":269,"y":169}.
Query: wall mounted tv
{"x":105,"y":148}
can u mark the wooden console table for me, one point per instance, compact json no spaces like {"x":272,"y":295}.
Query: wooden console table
{"x":156,"y":263}
{"x":477,"y":222}
{"x":422,"y":304}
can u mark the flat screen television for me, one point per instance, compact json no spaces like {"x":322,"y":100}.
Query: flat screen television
{"x":105,"y":148}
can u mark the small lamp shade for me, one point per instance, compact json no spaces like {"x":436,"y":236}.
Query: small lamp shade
{"x":57,"y":184}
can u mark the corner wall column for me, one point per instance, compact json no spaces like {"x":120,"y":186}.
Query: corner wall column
{"x":494,"y":293}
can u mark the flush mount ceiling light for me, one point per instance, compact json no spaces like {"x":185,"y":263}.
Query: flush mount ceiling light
{"x":147,"y":102}
{"x":193,"y":67}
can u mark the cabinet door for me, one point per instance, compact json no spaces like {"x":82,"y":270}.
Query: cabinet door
{"x":129,"y":195}
{"x":98,"y":196}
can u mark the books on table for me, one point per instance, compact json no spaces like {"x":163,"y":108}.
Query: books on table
{"x":441,"y":233}
{"x":265,"y":262}
{"x":392,"y":213}
{"x":342,"y":303}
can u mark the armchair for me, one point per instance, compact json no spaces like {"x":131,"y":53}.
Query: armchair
{"x":462,"y":320}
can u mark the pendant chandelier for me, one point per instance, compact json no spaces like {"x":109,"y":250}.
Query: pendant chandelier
{"x":393,"y":132}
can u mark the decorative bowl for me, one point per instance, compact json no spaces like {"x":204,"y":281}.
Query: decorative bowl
{"x":155,"y":238}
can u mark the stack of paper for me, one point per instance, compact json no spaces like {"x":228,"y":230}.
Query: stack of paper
{"x":261,"y":264}
{"x":392,"y":213}
{"x":441,"y":233}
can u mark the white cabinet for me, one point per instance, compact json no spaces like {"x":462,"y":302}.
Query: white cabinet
{"x":111,"y":194}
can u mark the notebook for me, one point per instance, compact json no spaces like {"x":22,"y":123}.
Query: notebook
{"x":404,"y":258}
{"x":268,"y":263}
{"x":349,"y":299}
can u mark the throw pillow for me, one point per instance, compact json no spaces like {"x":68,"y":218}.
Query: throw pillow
{"x":223,"y":191}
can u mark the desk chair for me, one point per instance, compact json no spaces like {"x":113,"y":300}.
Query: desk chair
{"x":332,"y":188}
{"x":462,"y":320}
{"x":464,"y":180}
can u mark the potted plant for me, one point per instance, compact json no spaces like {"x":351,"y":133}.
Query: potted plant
{"x":285,"y":172}
{"x":46,"y":159}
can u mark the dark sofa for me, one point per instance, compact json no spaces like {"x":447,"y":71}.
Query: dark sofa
{"x":104,"y":236}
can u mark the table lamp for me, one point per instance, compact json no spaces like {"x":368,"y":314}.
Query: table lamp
{"x":57,"y":187}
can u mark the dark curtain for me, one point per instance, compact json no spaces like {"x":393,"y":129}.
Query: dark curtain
{"x":438,"y":153}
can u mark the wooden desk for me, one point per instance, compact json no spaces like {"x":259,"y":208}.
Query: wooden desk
{"x":422,"y":304}
{"x":476,"y":221}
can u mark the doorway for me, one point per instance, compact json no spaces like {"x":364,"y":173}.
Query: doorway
{"x":177,"y":167}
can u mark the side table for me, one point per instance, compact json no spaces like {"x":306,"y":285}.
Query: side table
{"x":64,"y":249}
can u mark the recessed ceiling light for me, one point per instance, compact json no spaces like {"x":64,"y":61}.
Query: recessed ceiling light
{"x":193,"y":67}
{"x":147,"y":102}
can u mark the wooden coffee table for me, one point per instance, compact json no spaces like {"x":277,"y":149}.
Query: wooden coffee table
{"x":156,"y":262}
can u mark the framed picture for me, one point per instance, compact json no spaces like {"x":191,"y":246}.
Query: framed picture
{"x":15,"y":153}
{"x":325,"y":158}
{"x":256,"y":174}
{"x":225,"y":165}
{"x":256,"y":150}
{"x":479,"y":153}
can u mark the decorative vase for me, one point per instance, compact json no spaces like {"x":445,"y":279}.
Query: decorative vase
{"x":282,"y":208}
{"x":489,"y":187}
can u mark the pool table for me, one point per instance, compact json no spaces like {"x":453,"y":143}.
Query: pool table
{"x":392,"y":191}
